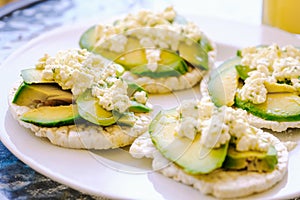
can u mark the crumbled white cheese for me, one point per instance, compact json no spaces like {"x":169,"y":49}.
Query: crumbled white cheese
{"x":75,"y":69}
{"x":187,"y":127}
{"x":153,"y":56}
{"x":116,"y":43}
{"x":151,"y":29}
{"x":253,"y":56}
{"x":250,"y":142}
{"x":78,"y":69}
{"x":188,"y":123}
{"x":112,"y":96}
{"x":270,"y":64}
{"x":254,"y":88}
{"x":205,"y":108}
{"x":286,"y":69}
{"x":189,"y":108}
{"x":218,"y":125}
{"x":140,"y":96}
{"x":214,"y":133}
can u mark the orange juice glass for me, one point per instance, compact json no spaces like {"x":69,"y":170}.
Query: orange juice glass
{"x":284,"y":14}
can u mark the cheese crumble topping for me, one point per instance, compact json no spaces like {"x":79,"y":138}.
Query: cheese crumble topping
{"x":270,"y":64}
{"x":78,"y":69}
{"x":167,"y":32}
{"x":218,"y":126}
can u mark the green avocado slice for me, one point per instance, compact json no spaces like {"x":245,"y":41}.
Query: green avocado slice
{"x":223,"y":83}
{"x":282,"y":107}
{"x":133,"y":87}
{"x":243,"y":71}
{"x":170,"y":64}
{"x":42,"y":94}
{"x":90,"y":110}
{"x":138,"y":107}
{"x":52,"y":116}
{"x":191,"y":51}
{"x":194,"y":54}
{"x":33,"y":75}
{"x":175,"y":69}
{"x":190,"y":155}
{"x":251,"y":160}
{"x":88,"y":39}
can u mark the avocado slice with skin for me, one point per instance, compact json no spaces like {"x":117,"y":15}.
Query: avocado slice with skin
{"x":138,"y":107}
{"x":223,"y":83}
{"x":205,"y":43}
{"x":190,"y":155}
{"x":279,"y":87}
{"x":243,"y":71}
{"x":194,"y":54}
{"x":282,"y":107}
{"x":175,"y":69}
{"x":170,"y":64}
{"x":88,"y":39}
{"x":42,"y":94}
{"x":191,"y":51}
{"x":132,"y":88}
{"x":130,"y":59}
{"x":90,"y":110}
{"x":52,"y":116}
{"x":33,"y":75}
{"x":251,"y":160}
{"x":124,"y":119}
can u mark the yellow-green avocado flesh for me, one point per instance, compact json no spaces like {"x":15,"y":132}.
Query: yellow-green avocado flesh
{"x":133,"y":54}
{"x":194,"y":158}
{"x":191,"y":155}
{"x":282,"y":103}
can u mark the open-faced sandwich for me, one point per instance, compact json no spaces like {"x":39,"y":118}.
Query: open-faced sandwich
{"x":213,"y":149}
{"x":162,"y":52}
{"x":77,"y":100}
{"x":264,"y":81}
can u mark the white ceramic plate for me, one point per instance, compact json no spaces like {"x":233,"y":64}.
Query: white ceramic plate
{"x":113,"y":173}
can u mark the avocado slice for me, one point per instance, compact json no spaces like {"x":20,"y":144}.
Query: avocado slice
{"x":124,"y":119}
{"x":175,"y":69}
{"x":130,"y":59}
{"x":192,"y":52}
{"x":33,"y":75}
{"x":45,"y":94}
{"x":138,"y":107}
{"x":119,"y":70}
{"x":243,"y":71}
{"x":133,"y":87}
{"x":205,"y":43}
{"x":251,"y":160}
{"x":52,"y":116}
{"x":90,"y":110}
{"x":280,"y":107}
{"x":223,"y":82}
{"x":279,"y":87}
{"x":88,"y":39}
{"x":170,"y":64}
{"x":190,"y":155}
